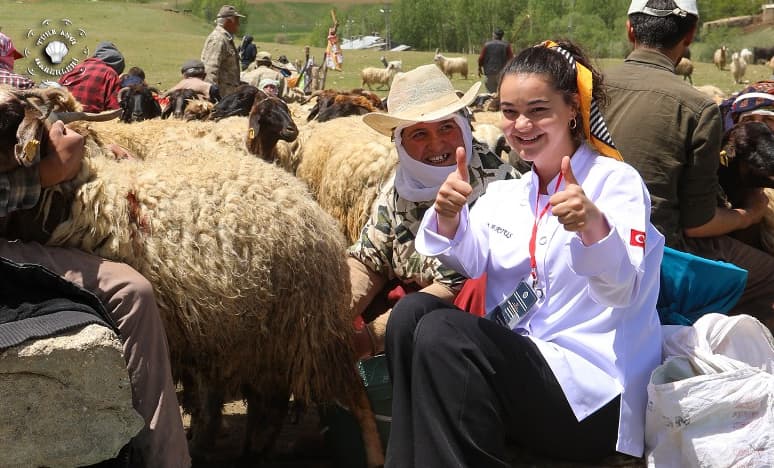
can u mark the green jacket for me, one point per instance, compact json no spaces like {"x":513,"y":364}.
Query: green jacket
{"x":671,"y":133}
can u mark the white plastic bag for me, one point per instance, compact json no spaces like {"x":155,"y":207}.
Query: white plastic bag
{"x":707,"y":408}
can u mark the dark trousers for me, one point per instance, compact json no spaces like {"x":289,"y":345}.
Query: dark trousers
{"x":464,"y":385}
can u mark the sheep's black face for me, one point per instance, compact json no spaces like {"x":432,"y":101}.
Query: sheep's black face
{"x":750,"y":150}
{"x":178,"y":101}
{"x":138,"y":104}
{"x":269,"y":121}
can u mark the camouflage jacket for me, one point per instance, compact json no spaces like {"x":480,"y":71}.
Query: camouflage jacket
{"x":221,"y":61}
{"x":386,"y":243}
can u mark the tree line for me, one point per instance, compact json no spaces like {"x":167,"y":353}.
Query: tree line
{"x":463,"y":25}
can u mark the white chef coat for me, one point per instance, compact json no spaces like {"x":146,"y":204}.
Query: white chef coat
{"x":596,"y":324}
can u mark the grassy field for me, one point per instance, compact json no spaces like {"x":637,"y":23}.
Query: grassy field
{"x":159,"y":41}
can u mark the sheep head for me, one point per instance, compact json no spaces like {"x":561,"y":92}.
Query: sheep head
{"x":747,"y":160}
{"x":269,"y":121}
{"x":26,"y":117}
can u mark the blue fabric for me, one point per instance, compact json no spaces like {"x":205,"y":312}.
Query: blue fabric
{"x":692,"y":286}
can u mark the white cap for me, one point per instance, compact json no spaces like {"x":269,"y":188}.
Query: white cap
{"x":684,"y":7}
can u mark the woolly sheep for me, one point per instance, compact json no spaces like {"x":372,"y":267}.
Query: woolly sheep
{"x":684,"y":68}
{"x":719,"y":58}
{"x":487,"y":133}
{"x":747,"y":55}
{"x":377,"y":76}
{"x":397,"y":64}
{"x":714,"y":92}
{"x":234,"y":248}
{"x":738,"y":67}
{"x":451,"y":65}
{"x":345,"y":162}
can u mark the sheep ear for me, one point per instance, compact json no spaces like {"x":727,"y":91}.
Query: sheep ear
{"x":251,"y":142}
{"x":29,"y":137}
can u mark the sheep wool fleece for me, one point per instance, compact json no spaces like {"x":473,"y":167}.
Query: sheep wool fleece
{"x":386,"y":243}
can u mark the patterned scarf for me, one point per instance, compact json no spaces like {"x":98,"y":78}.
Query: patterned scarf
{"x":756,"y":98}
{"x":594,"y":127}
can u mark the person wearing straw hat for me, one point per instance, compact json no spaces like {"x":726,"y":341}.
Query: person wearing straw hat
{"x":672,"y":134}
{"x":560,"y":363}
{"x":219,"y":54}
{"x":427,"y":121}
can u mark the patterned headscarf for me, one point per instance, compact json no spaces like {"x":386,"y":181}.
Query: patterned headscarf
{"x":758,"y":98}
{"x":594,"y":127}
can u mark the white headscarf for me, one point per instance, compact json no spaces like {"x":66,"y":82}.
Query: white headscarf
{"x":416,"y":181}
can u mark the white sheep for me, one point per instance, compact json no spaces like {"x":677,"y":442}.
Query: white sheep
{"x":397,"y":64}
{"x":684,"y":68}
{"x":747,"y":55}
{"x":719,"y":57}
{"x":451,"y":65}
{"x":487,"y":133}
{"x":713,"y":92}
{"x":377,"y":76}
{"x":234,"y":248}
{"x":344,"y":162}
{"x":738,"y":67}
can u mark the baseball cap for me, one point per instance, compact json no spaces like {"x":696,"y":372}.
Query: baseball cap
{"x":193,"y":64}
{"x":684,"y":7}
{"x":7,"y":49}
{"x":228,"y":10}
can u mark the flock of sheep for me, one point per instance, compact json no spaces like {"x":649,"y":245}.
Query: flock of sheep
{"x":737,"y":62}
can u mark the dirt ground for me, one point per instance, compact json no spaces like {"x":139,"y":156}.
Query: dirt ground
{"x":301,"y":443}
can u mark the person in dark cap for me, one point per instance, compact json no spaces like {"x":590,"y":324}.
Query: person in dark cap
{"x":247,"y":51}
{"x":672,"y":134}
{"x":193,"y":78}
{"x":219,"y":54}
{"x":95,"y":82}
{"x":493,"y":57}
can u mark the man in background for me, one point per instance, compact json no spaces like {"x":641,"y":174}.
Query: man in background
{"x":193,"y":78}
{"x":671,"y":133}
{"x":493,"y":57}
{"x":95,"y":82}
{"x":219,"y":54}
{"x":8,"y":55}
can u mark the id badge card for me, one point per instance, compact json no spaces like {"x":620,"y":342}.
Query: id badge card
{"x":516,"y":306}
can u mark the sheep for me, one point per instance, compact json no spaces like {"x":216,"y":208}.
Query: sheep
{"x":719,"y":58}
{"x":488,"y":102}
{"x":747,"y":164}
{"x":397,"y":64}
{"x":234,"y":248}
{"x":237,"y":103}
{"x":377,"y":76}
{"x":138,"y":103}
{"x":747,"y":55}
{"x":345,"y":162}
{"x":451,"y":65}
{"x":713,"y":92}
{"x":488,"y":134}
{"x":738,"y":67}
{"x":268,"y":122}
{"x":684,"y":68}
{"x":332,"y":104}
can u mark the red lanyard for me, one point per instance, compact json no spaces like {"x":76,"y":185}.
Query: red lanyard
{"x":532,"y":260}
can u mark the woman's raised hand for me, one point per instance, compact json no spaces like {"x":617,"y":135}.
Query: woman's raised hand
{"x":452,"y":196}
{"x":575,"y":211}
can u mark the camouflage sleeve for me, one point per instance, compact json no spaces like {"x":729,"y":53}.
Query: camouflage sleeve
{"x":374,"y":247}
{"x":211,"y":56}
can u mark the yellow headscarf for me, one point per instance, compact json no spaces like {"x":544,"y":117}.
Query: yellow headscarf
{"x":594,"y":126}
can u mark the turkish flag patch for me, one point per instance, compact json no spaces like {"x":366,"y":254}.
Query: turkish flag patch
{"x":637,"y":238}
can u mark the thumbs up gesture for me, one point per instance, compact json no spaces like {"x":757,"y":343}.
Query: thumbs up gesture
{"x":575,"y":211}
{"x":452,"y":196}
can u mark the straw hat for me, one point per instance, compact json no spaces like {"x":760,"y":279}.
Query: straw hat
{"x":423,"y":94}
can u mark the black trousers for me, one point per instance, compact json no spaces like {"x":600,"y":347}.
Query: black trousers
{"x":464,"y":386}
